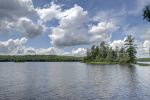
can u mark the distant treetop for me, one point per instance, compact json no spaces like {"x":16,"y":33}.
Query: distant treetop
{"x":146,"y":13}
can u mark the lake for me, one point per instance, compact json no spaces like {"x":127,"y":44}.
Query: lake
{"x":144,"y":62}
{"x":73,"y":81}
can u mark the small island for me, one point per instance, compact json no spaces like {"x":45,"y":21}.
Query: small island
{"x":105,"y":54}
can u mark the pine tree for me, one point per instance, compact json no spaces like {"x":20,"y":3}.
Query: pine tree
{"x":146,"y":13}
{"x":122,"y":57}
{"x":109,"y":57}
{"x":88,"y":57}
{"x":93,"y":52}
{"x":131,"y":49}
{"x":103,"y":50}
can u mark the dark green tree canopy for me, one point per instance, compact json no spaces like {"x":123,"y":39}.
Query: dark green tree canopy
{"x":146,"y":13}
{"x":130,"y":49}
{"x":105,"y":53}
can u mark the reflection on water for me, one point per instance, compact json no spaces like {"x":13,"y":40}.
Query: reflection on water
{"x":144,"y":62}
{"x":73,"y":81}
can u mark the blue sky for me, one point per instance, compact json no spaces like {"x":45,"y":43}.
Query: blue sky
{"x":68,"y":27}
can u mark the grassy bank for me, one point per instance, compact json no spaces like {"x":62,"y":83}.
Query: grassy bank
{"x":101,"y":63}
{"x":143,"y":64}
{"x":112,"y":63}
{"x":144,"y":59}
{"x":39,"y":58}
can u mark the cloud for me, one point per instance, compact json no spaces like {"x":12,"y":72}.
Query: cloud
{"x":138,"y":31}
{"x":17,"y":47}
{"x":145,"y":34}
{"x":112,"y":15}
{"x":41,"y":51}
{"x":15,"y":16}
{"x":117,"y":43}
{"x":102,"y":27}
{"x":117,"y":16}
{"x":11,"y":46}
{"x":102,"y":31}
{"x":71,"y":30}
{"x":74,"y":29}
{"x":79,"y":52}
{"x":13,"y":9}
{"x":143,"y":49}
{"x":146,"y":46}
{"x":50,"y":12}
{"x":26,"y":51}
{"x":31,"y":30}
{"x":50,"y":51}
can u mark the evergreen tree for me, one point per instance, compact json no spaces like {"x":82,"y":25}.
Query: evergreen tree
{"x":103,"y":50}
{"x":88,"y":55}
{"x":97,"y":52}
{"x":116,"y":54}
{"x":146,"y":13}
{"x":131,"y":49}
{"x":122,"y":56}
{"x":93,"y":55}
{"x":109,"y":57}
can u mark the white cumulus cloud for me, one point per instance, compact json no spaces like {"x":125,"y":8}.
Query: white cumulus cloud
{"x":11,"y":46}
{"x":79,"y":52}
{"x":74,"y":29}
{"x":117,"y":43}
{"x":50,"y":12}
{"x":71,"y":29}
{"x":146,"y":45}
{"x":31,"y":29}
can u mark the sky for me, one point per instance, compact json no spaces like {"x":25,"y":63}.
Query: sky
{"x":69,"y":27}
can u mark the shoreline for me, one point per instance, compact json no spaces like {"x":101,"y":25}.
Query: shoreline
{"x":115,"y":63}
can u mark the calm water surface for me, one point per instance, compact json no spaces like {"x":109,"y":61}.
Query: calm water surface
{"x":73,"y":81}
{"x":145,"y":62}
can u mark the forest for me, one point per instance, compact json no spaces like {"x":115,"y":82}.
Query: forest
{"x":38,"y":58}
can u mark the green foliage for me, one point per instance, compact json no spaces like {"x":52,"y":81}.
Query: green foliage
{"x":131,"y":49}
{"x":122,"y":56}
{"x":105,"y":53}
{"x":144,"y":59}
{"x":38,"y":58}
{"x":146,"y":13}
{"x":142,"y":64}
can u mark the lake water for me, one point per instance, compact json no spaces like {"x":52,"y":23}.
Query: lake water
{"x":144,"y":62}
{"x":73,"y":81}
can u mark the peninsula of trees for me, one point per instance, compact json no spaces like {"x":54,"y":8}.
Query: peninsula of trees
{"x":104,"y":54}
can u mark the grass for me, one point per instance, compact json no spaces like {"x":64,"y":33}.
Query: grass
{"x":144,"y":59}
{"x":101,"y":63}
{"x":112,"y":63}
{"x":143,"y":64}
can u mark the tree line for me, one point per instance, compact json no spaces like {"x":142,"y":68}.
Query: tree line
{"x":38,"y":58}
{"x":105,"y":53}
